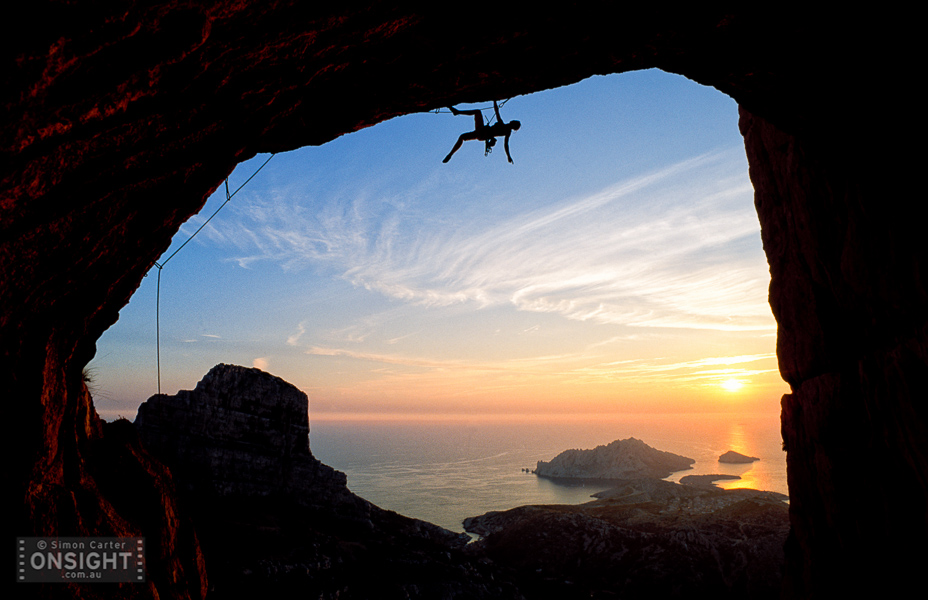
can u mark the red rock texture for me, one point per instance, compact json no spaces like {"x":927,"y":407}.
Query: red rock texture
{"x":119,"y":119}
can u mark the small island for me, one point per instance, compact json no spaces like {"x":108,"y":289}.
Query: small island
{"x":622,"y":459}
{"x":706,"y":480}
{"x":736,"y":458}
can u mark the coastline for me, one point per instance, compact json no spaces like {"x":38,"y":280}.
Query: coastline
{"x":444,"y":472}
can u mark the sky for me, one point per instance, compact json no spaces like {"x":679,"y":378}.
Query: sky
{"x":616,"y":267}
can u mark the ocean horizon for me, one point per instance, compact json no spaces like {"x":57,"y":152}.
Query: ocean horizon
{"x":444,"y":471}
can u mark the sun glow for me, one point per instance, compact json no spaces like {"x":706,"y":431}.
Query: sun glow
{"x":732,"y":385}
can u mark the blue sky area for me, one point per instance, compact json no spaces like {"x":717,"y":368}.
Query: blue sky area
{"x":616,"y":266}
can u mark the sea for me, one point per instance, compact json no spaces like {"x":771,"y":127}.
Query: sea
{"x":445,"y":470}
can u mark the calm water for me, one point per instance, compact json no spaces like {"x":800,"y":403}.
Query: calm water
{"x":443,"y":472}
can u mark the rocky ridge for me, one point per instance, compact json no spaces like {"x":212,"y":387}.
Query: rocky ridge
{"x":645,"y":538}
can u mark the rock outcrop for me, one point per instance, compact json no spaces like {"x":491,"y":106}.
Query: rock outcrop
{"x":240,"y":432}
{"x":276,"y":522}
{"x":622,"y":459}
{"x":644,"y":539}
{"x":733,"y":457}
{"x":117,"y":121}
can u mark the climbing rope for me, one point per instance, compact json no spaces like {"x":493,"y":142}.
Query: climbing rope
{"x":160,"y":266}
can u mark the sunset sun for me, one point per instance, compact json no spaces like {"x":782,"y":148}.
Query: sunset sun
{"x":732,"y":385}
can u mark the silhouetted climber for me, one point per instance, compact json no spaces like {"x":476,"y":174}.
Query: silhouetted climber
{"x":487,"y":133}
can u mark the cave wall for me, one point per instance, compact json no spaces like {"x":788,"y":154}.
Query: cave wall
{"x":120,"y":118}
{"x":846,"y":258}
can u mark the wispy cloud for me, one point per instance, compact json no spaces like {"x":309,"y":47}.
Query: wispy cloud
{"x":294,"y":338}
{"x":708,"y":370}
{"x":525,"y":364}
{"x":665,"y":249}
{"x":391,"y":359}
{"x":403,"y":378}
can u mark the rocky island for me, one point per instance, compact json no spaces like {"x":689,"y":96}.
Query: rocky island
{"x":642,"y":538}
{"x":622,"y":459}
{"x":736,"y":458}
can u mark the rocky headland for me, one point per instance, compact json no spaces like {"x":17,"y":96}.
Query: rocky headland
{"x":620,"y":460}
{"x":645,"y":538}
{"x":736,"y":458}
{"x":273,"y":521}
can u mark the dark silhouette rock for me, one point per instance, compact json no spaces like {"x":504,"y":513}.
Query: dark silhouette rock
{"x":647,"y":538}
{"x":736,"y":458}
{"x":119,"y":120}
{"x":273,"y":520}
{"x":240,"y":432}
{"x":141,"y":490}
{"x":852,"y":342}
{"x":621,"y":459}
